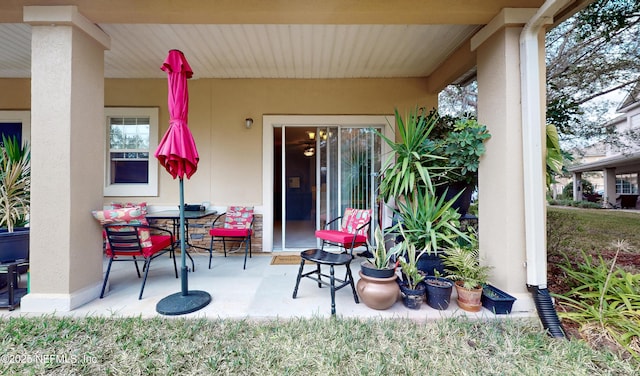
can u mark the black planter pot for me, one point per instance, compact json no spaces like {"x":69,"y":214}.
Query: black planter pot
{"x":431,"y":262}
{"x":496,"y":300}
{"x":14,"y":246}
{"x":412,"y":298}
{"x":438,"y":292}
{"x":370,"y":270}
{"x":449,"y":191}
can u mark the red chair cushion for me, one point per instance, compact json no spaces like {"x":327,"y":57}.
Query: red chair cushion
{"x":158,"y":243}
{"x":230,"y":232}
{"x":340,"y":237}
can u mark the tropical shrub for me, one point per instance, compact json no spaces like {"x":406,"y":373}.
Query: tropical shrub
{"x":15,"y":183}
{"x":604,"y":296}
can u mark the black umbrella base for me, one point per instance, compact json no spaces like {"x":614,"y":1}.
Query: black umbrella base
{"x":179,"y":304}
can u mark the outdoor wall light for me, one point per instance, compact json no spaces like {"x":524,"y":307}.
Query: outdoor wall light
{"x":248,"y":122}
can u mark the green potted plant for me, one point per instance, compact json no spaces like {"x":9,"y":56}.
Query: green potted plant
{"x":412,"y":289}
{"x":412,"y":165}
{"x":431,"y":224}
{"x":377,"y":287}
{"x":462,"y":263}
{"x":428,"y":222}
{"x":380,"y":265}
{"x":459,"y":142}
{"x":15,"y":188}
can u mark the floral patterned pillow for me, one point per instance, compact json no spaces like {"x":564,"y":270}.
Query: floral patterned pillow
{"x":238,"y":217}
{"x":120,"y":205}
{"x":126,"y":215}
{"x":133,"y":215}
{"x":354,"y":218}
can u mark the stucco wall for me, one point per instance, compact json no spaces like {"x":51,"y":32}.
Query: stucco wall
{"x":231,"y":155}
{"x":15,"y":94}
{"x":230,"y":169}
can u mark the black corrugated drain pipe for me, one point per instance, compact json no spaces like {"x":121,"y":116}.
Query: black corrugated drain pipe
{"x":546,"y":311}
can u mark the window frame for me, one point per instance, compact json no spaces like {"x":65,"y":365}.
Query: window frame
{"x":24,"y":117}
{"x":624,"y":181}
{"x":129,"y":189}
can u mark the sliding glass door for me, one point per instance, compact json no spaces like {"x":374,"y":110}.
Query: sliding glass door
{"x":322,"y":171}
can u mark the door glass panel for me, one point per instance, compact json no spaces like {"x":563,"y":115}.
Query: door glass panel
{"x":360,"y":151}
{"x":329,"y":178}
{"x":318,"y":173}
{"x":349,"y":160}
{"x":299,"y":187}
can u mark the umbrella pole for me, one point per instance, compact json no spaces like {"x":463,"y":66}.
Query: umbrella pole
{"x":185,"y":301}
{"x":184,"y":282}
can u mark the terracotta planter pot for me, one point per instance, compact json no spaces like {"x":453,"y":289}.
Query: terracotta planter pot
{"x":469,"y":300}
{"x":377,"y":293}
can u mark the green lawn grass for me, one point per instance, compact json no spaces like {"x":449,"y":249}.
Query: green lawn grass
{"x":49,"y":345}
{"x":170,"y":346}
{"x":597,"y":229}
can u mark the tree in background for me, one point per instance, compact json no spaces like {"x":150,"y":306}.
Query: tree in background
{"x":592,"y":54}
{"x":586,"y":187}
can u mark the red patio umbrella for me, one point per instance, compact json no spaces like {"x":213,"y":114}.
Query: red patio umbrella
{"x":177,"y":153}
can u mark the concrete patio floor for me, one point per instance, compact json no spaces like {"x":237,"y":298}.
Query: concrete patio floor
{"x":262,"y":291}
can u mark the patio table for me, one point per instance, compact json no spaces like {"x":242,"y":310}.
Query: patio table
{"x":174,"y":216}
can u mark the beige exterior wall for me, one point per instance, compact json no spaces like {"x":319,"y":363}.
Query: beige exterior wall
{"x":217,"y":110}
{"x":15,"y":94}
{"x":230,"y":168}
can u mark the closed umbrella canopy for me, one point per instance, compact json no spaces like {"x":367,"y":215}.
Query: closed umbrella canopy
{"x":177,"y":151}
{"x":178,"y":154}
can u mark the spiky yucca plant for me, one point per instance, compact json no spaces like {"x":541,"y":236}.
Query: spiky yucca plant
{"x":411,"y":166}
{"x":15,"y":187}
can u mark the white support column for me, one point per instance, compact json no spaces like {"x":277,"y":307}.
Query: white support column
{"x":610,"y":185}
{"x":577,"y":186}
{"x":68,"y":140}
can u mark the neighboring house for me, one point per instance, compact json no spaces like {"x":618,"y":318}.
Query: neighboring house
{"x":618,"y":164}
{"x":84,"y":82}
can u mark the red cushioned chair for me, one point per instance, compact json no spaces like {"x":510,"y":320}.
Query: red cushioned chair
{"x":352,"y":232}
{"x":134,"y":242}
{"x":238,"y":224}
